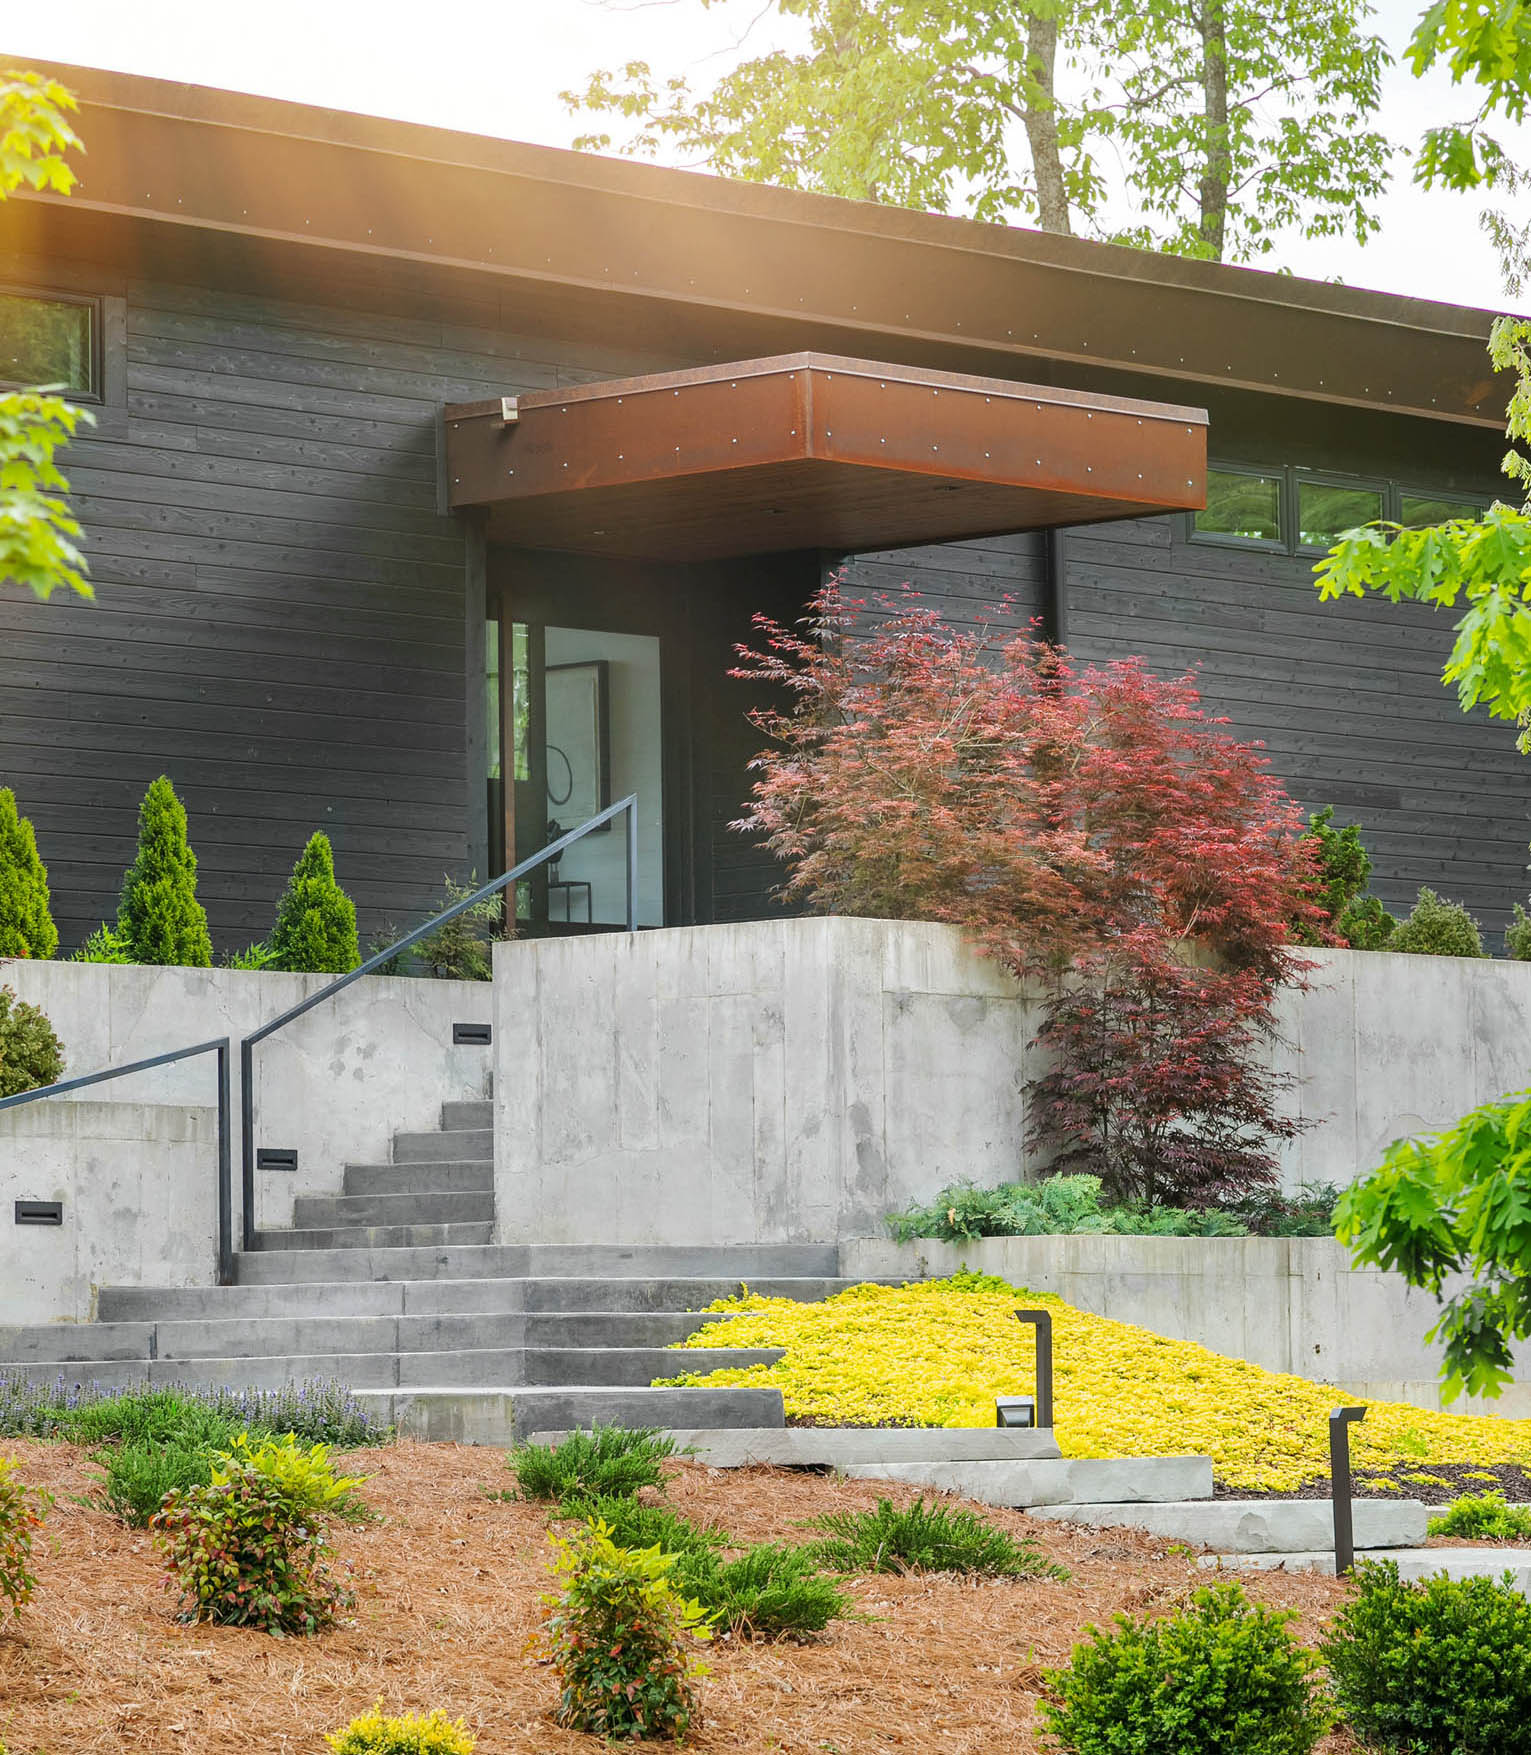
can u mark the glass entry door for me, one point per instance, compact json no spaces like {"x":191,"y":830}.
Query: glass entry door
{"x":584,"y":729}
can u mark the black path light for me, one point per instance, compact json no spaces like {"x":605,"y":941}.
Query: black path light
{"x":1340,"y":1422}
{"x":1042,"y":1412}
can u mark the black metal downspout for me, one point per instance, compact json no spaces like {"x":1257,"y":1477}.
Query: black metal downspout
{"x":1054,"y":589}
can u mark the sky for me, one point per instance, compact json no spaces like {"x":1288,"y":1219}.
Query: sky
{"x":498,"y":66}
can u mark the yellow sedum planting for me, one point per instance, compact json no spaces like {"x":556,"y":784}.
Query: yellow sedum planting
{"x":937,"y":1352}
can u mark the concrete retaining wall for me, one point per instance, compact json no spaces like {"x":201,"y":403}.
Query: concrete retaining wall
{"x":1289,"y":1304}
{"x":139,"y":1186}
{"x":335,"y":1085}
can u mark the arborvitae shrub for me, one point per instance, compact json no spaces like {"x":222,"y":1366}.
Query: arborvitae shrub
{"x":22,"y":1510}
{"x":315,"y":930}
{"x":412,"y":1734}
{"x":1517,"y":936}
{"x":1438,"y":928}
{"x":1366,"y":925}
{"x":26,"y":926}
{"x":1440,"y":1668}
{"x":30,"y":1052}
{"x":1224,"y":1678}
{"x":159,"y":915}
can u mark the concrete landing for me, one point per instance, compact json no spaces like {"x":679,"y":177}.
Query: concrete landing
{"x":1259,"y":1526}
{"x":1414,"y":1564}
{"x":1081,"y":1482}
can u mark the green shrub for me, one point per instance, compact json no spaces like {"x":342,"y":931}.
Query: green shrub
{"x":159,"y":916}
{"x":26,"y":926}
{"x":1223,"y":1678}
{"x":257,"y":956}
{"x":632,"y":1524}
{"x":461,"y":950}
{"x":105,"y":945}
{"x":30,"y":1052}
{"x":1367,"y":926}
{"x":135,"y":1477}
{"x":616,"y":1637}
{"x":320,"y":1411}
{"x":1517,"y":936}
{"x":373,"y":1734}
{"x":303,"y":1474}
{"x":767,"y":1592}
{"x":1437,"y":928}
{"x":145,"y":1417}
{"x":22,"y":1510}
{"x":315,"y":931}
{"x":926,"y":1538}
{"x":608,"y":1460}
{"x":1483,"y":1518}
{"x":241,"y":1555}
{"x":1440,"y":1668}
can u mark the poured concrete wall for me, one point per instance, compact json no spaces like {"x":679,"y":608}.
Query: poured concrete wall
{"x":1289,"y":1304}
{"x":138,"y":1183}
{"x":335,"y":1085}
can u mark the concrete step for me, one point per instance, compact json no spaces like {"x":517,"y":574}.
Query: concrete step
{"x":347,"y":1298}
{"x":503,"y":1416}
{"x":475,"y":1116}
{"x":1414,"y":1565}
{"x":449,"y":1143}
{"x":1259,"y":1526}
{"x":842,"y":1447}
{"x":320,"y":1212}
{"x":284,"y":1246}
{"x":468,"y":1173}
{"x":279,"y":1263}
{"x":66,"y":1342}
{"x":1067,"y":1481}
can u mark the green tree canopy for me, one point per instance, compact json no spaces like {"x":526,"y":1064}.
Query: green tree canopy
{"x":159,"y":916}
{"x":315,"y":920}
{"x":26,"y":925}
{"x":1231,"y":119}
{"x":39,"y":535}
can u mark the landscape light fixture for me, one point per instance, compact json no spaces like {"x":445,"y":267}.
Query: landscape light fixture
{"x":1339,"y":1485}
{"x":1015,"y":1410}
{"x":1042,"y":1321}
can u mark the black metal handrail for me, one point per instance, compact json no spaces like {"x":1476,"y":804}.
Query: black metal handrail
{"x":221,"y":1047}
{"x":546,"y":855}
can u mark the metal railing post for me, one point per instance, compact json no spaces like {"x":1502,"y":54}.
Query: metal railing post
{"x":1339,"y":1486}
{"x":247,"y":1143}
{"x":632,"y":865}
{"x":225,"y":1168}
{"x":1043,"y":1322}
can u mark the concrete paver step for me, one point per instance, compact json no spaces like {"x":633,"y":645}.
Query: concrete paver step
{"x":1256,"y":1526}
{"x":1066,"y":1482}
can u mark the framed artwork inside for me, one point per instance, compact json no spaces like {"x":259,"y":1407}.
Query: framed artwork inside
{"x":578,"y":741}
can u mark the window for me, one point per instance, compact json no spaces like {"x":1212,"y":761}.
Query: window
{"x":1415,"y":511}
{"x":1325,"y":510}
{"x":1242,"y":506}
{"x":49,"y":341}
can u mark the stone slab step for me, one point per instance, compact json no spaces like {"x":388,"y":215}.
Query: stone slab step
{"x":475,"y":1115}
{"x":348,"y":1298}
{"x":317,"y":1212}
{"x":503,"y":1416}
{"x":274,"y":1264}
{"x":1259,"y":1526}
{"x":449,"y":1144}
{"x":1414,"y":1565}
{"x":1068,"y":1481}
{"x":841,"y":1447}
{"x":449,"y":1173}
{"x":370,"y":1239}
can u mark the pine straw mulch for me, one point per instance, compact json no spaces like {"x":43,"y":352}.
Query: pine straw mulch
{"x":448,"y":1585}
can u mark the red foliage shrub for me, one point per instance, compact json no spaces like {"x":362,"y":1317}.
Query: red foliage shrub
{"x":1091,"y":826}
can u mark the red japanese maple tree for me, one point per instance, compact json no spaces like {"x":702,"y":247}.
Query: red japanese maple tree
{"x":1089,"y":827}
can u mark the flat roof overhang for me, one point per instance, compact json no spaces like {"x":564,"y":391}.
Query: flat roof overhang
{"x":811,"y":451}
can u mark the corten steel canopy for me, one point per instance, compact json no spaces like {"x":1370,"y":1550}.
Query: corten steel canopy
{"x":811,"y":451}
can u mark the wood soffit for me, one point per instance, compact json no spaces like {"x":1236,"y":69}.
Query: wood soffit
{"x":276,"y":197}
{"x":811,"y":451}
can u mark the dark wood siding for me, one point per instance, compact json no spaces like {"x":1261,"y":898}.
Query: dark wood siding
{"x":279,"y":621}
{"x":1000,"y":580}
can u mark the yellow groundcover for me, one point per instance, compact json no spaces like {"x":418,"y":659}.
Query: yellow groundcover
{"x":937,"y":1352}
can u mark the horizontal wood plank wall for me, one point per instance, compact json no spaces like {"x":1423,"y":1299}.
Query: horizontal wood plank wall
{"x":999,"y":580}
{"x":1346,"y":697}
{"x":279,"y":614}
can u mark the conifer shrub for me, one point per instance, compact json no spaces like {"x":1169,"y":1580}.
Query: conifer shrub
{"x":159,"y":916}
{"x":614,"y":1460}
{"x":30,"y":1052}
{"x":926,"y":1538}
{"x":1222,"y":1678}
{"x":1439,"y":1668}
{"x":105,"y":945}
{"x":1438,"y":928}
{"x":26,"y":925}
{"x":135,"y":1477}
{"x":22,"y":1511}
{"x":616,"y":1634}
{"x":315,"y":931}
{"x":411,"y":1734}
{"x":1517,"y":936}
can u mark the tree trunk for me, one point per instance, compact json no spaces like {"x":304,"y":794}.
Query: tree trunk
{"x":1217,"y":168}
{"x":1042,"y":125}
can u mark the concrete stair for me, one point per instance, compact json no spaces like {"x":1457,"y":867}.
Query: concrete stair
{"x":394,"y":1286}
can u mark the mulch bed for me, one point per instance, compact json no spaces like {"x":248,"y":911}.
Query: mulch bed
{"x":448,"y":1585}
{"x":1434,"y":1483}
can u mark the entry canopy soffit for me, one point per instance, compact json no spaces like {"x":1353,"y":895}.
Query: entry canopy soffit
{"x":812,"y":451}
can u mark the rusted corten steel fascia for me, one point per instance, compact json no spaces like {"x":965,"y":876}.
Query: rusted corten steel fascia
{"x":292,"y":182}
